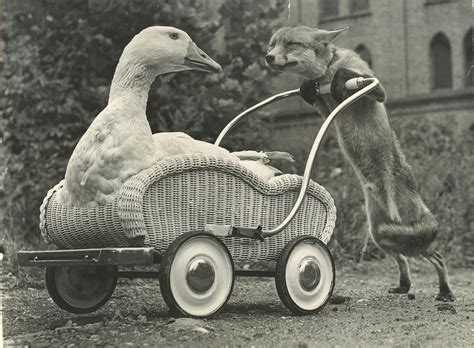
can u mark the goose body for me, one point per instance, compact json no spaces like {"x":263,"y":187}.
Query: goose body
{"x":176,"y":143}
{"x":119,"y":142}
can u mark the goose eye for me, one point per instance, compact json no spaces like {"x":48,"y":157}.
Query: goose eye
{"x":174,"y":36}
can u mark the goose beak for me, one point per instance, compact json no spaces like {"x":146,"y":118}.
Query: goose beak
{"x":196,"y":59}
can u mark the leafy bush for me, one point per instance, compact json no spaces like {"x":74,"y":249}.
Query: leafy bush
{"x":57,"y":74}
{"x":443,"y":161}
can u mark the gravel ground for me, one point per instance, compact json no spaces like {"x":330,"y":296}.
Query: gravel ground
{"x":137,"y":316}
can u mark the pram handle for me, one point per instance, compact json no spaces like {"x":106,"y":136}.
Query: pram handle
{"x":366,"y":85}
{"x":352,"y":84}
{"x":370,"y":85}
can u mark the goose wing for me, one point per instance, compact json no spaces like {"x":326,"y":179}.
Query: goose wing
{"x":112,"y":149}
{"x":176,"y":143}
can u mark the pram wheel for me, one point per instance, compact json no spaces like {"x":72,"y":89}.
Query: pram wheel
{"x":196,"y":275}
{"x":81,"y":289}
{"x":305,"y":275}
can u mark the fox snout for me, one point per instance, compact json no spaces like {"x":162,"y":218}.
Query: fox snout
{"x":269,"y":58}
{"x":278,"y":59}
{"x":278,"y":62}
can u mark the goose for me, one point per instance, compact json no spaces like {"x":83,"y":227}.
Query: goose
{"x":119,"y":142}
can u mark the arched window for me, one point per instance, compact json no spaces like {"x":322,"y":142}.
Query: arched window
{"x":329,"y":8}
{"x":364,"y":53}
{"x":468,"y":64}
{"x":356,"y":6}
{"x":441,"y":66}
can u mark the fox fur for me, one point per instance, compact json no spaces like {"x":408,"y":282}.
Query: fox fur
{"x":399,"y":221}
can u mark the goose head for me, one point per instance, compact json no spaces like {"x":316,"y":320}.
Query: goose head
{"x":166,"y":50}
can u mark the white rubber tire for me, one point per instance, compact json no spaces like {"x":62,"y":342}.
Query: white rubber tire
{"x":290,"y":278}
{"x":176,"y":270}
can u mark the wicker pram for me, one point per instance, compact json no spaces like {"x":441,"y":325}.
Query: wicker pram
{"x":195,"y":215}
{"x":184,"y":193}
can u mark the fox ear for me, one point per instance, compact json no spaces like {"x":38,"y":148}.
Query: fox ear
{"x":328,"y":36}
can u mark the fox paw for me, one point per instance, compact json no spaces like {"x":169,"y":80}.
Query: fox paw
{"x":399,"y":290}
{"x":338,"y":85}
{"x":308,"y":92}
{"x":445,"y":297}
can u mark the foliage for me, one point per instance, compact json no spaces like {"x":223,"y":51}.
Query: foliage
{"x":57,"y":73}
{"x":443,"y":162}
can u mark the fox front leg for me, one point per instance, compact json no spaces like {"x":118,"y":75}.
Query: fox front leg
{"x":338,"y":86}
{"x":308,"y":92}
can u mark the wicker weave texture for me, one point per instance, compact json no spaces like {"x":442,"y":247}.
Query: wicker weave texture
{"x":184,"y":193}
{"x":74,"y":227}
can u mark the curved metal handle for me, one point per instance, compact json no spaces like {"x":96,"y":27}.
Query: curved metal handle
{"x":240,"y":116}
{"x":351,"y":84}
{"x":314,"y":149}
{"x":368,"y":84}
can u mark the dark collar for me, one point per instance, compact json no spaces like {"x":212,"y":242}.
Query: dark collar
{"x":333,"y":58}
{"x":317,"y":81}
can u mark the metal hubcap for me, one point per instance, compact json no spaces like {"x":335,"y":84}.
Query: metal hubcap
{"x":309,"y":273}
{"x":83,"y":280}
{"x":200,"y":275}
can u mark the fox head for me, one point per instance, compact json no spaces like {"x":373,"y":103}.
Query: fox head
{"x":302,"y":50}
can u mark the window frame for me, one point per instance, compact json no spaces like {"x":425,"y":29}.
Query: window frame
{"x":353,"y":10}
{"x":363,"y":47}
{"x":436,"y":67}
{"x":468,"y":46}
{"x":325,"y":15}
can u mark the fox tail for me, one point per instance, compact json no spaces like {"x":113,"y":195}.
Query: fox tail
{"x":421,"y":233}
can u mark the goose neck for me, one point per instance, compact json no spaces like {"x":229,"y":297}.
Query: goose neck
{"x":132,"y":81}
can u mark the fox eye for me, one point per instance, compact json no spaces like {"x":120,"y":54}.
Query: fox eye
{"x":271,"y":45}
{"x":174,"y":36}
{"x":295,"y":45}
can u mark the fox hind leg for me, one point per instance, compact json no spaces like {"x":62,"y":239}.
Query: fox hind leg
{"x":390,"y":196}
{"x":405,"y":279}
{"x":445,"y":293}
{"x":385,"y":197}
{"x":365,"y":246}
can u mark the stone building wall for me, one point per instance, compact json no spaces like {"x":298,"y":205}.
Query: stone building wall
{"x":397,"y":35}
{"x":2,"y":19}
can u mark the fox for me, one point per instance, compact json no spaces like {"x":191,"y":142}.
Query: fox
{"x":399,"y":222}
